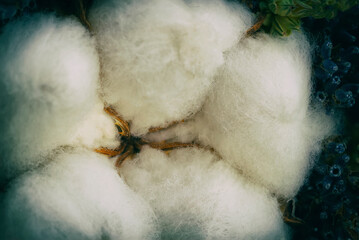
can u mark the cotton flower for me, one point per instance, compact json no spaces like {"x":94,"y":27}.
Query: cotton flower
{"x":158,"y":57}
{"x":79,"y":195}
{"x":196,"y":196}
{"x":49,"y":72}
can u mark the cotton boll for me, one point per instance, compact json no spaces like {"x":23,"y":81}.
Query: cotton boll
{"x":159,"y":56}
{"x":257,"y":116}
{"x":77,"y":196}
{"x":49,"y":70}
{"x":195,"y":196}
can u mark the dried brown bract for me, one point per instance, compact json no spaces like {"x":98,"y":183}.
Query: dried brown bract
{"x":131,"y":145}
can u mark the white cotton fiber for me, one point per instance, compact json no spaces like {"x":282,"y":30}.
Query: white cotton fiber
{"x":79,"y":195}
{"x":49,"y":72}
{"x":257,"y":116}
{"x":159,"y":56}
{"x":195,"y":196}
{"x":96,"y":130}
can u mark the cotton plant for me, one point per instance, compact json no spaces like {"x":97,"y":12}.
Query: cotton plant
{"x":69,"y":95}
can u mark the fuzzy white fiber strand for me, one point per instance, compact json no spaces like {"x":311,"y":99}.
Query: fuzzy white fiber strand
{"x":258,"y":117}
{"x":96,"y":130}
{"x":79,"y":195}
{"x":159,"y":56}
{"x":195,"y":196}
{"x":49,"y":72}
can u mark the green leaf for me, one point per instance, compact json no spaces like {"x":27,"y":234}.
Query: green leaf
{"x":283,"y":16}
{"x":290,"y":8}
{"x":281,"y":7}
{"x":283,"y":26}
{"x":344,"y":5}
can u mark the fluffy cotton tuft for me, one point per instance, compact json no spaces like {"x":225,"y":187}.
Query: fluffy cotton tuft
{"x":159,"y":56}
{"x":195,"y":196}
{"x":49,"y":72}
{"x":257,"y":116}
{"x":96,"y":130}
{"x":77,"y":196}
